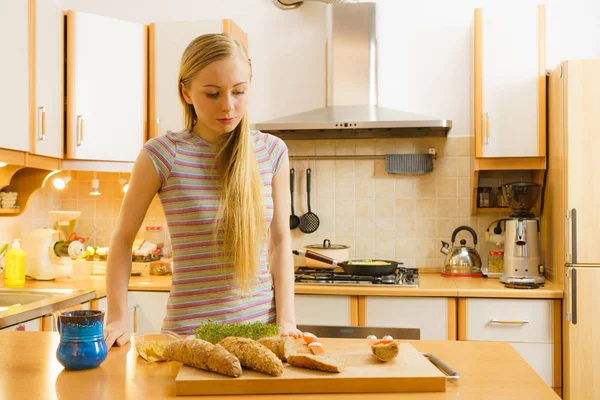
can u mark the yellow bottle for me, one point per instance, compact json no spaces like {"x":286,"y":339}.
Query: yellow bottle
{"x":14,"y":270}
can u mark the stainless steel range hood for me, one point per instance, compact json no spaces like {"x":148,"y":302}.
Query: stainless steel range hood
{"x":352,"y":110}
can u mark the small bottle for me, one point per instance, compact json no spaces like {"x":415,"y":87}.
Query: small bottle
{"x":14,"y":271}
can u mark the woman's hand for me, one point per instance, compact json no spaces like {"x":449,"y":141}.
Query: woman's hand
{"x":116,"y":332}
{"x":289,"y":330}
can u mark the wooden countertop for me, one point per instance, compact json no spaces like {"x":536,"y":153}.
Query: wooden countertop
{"x":29,"y":369}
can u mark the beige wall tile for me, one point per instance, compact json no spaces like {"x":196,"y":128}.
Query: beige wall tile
{"x":425,"y":208}
{"x":344,"y":226}
{"x":344,"y":208}
{"x":405,"y":228}
{"x":464,"y":207}
{"x":429,"y":263}
{"x":425,"y":228}
{"x":365,"y":208}
{"x":385,"y":146}
{"x":446,"y":166}
{"x":301,"y":147}
{"x":344,"y":169}
{"x":405,"y":247}
{"x":385,"y":248}
{"x":344,"y":188}
{"x":345,"y":147}
{"x":464,"y":167}
{"x":385,"y":228}
{"x":385,"y":188}
{"x":445,"y":227}
{"x":405,"y":187}
{"x":425,"y":187}
{"x":458,"y":146}
{"x":405,"y":208}
{"x":384,"y":208}
{"x":365,"y":146}
{"x":427,"y":248}
{"x":405,"y":146}
{"x":446,"y":187}
{"x":365,"y":227}
{"x":447,"y":208}
{"x":365,"y":248}
{"x":364,"y":169}
{"x":365,"y":188}
{"x":324,"y":147}
{"x":464,"y":187}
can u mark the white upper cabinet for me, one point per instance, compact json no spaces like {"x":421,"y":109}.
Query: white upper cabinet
{"x":47,"y":130}
{"x":510,"y":83}
{"x":14,"y":75}
{"x":168,"y":40}
{"x":106,"y":87}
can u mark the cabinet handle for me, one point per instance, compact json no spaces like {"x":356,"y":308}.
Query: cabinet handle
{"x":42,"y":123}
{"x":574,"y":237}
{"x":486,"y":127}
{"x":451,"y":373}
{"x":509,"y":321}
{"x":79,"y":130}
{"x":135,"y":308}
{"x":157,"y":126}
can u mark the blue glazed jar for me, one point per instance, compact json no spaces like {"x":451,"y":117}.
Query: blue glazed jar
{"x":82,"y":344}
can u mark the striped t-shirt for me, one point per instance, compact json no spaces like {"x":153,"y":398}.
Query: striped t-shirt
{"x":202,"y":286}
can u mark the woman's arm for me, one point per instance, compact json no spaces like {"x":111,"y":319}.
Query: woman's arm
{"x":282,"y":263}
{"x":143,"y":186}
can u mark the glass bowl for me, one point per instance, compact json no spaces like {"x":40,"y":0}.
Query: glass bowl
{"x":151,"y":346}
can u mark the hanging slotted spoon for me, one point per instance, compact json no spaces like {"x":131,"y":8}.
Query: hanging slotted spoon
{"x":309,"y":222}
{"x":294,"y":219}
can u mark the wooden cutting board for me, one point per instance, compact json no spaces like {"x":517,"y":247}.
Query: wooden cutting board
{"x":363,"y":373}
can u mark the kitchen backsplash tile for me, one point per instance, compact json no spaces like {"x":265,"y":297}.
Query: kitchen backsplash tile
{"x":401,"y":217}
{"x":391,"y":216}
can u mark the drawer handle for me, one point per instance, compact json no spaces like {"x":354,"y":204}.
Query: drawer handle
{"x":509,"y":321}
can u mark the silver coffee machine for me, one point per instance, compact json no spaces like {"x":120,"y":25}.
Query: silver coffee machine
{"x":522,"y":245}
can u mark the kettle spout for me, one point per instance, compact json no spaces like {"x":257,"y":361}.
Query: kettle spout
{"x":445,"y":249}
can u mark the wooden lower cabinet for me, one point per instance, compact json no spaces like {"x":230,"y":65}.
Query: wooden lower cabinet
{"x":532,"y":326}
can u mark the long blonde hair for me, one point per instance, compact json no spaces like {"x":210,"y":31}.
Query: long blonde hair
{"x":241,"y":216}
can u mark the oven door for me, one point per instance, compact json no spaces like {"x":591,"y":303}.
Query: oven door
{"x":361,"y":332}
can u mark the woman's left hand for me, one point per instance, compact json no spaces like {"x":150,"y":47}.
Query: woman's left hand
{"x":290,"y":330}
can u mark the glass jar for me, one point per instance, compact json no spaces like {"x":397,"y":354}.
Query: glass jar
{"x":484,"y":197}
{"x":500,"y":201}
{"x":495,"y":261}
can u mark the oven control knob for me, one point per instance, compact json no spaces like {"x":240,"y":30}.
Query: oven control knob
{"x":372,"y":337}
{"x":388,"y":337}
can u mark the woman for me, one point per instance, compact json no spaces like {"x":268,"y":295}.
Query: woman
{"x":222,"y":195}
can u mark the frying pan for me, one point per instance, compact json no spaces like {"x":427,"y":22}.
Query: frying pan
{"x":385,"y":268}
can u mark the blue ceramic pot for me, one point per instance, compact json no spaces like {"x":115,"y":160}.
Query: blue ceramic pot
{"x":82,"y":344}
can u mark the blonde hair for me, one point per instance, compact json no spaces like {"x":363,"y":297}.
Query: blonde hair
{"x":241,"y":216}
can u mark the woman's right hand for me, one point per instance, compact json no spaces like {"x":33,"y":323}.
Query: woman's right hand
{"x":116,"y":332}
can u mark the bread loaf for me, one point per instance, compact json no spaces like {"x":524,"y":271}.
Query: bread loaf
{"x":253,"y":355}
{"x":204,"y":355}
{"x":385,"y":351}
{"x":280,"y":346}
{"x":321,"y":362}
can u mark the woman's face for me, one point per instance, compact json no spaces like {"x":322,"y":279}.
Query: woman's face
{"x":219,"y":93}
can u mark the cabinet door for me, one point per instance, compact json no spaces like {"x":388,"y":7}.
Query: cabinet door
{"x":168,"y":41}
{"x":430,"y":314}
{"x":582,"y":91}
{"x":147,"y":310}
{"x":14,"y":79}
{"x":35,"y":325}
{"x":510,"y":75}
{"x":48,"y":135}
{"x":323,"y":310}
{"x":106,"y":88}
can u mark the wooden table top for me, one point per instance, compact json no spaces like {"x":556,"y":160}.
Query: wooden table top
{"x":29,"y":370}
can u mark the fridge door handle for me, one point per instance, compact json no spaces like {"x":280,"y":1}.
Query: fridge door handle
{"x":567,"y":237}
{"x":574,"y":236}
{"x":574,"y":296}
{"x":567,"y":309}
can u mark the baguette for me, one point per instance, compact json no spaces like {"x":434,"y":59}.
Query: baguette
{"x":327,"y":363}
{"x":204,"y":355}
{"x":282,"y":347}
{"x":253,"y":355}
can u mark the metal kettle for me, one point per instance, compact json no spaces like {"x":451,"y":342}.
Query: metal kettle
{"x":461,"y":260}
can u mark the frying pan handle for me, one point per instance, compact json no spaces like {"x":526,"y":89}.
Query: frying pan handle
{"x":464,"y":228}
{"x":318,"y":257}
